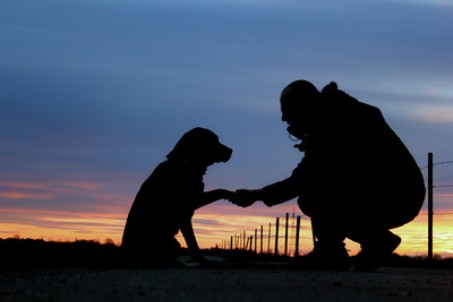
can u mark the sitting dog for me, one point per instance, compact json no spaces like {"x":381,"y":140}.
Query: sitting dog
{"x":166,"y":201}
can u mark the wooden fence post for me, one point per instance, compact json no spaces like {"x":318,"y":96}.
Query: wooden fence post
{"x":269,"y":239}
{"x":430,"y":206}
{"x":261,"y":240}
{"x":256,"y":239}
{"x":286,"y":233}
{"x":296,"y":252}
{"x":277,"y":222}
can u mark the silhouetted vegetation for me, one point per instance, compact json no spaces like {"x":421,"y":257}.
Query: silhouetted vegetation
{"x":20,"y":254}
{"x":28,"y":254}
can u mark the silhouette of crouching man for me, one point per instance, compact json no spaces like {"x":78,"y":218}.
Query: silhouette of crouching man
{"x":356,"y":180}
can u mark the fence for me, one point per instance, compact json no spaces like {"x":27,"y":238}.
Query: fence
{"x":273,"y":236}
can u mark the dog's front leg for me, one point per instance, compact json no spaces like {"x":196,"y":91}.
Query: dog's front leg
{"x":191,"y":241}
{"x":214,"y":195}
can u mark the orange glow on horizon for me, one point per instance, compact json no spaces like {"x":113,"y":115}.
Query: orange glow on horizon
{"x":215,"y":229}
{"x":215,"y":224}
{"x":63,"y":226}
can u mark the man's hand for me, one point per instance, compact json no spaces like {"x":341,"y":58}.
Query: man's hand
{"x":245,"y":198}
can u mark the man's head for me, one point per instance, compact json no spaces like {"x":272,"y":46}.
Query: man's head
{"x":300,"y":103}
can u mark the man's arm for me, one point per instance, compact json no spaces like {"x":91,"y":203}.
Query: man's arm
{"x":279,"y":192}
{"x":271,"y":195}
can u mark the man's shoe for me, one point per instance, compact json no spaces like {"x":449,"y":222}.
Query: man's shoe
{"x":373,"y":255}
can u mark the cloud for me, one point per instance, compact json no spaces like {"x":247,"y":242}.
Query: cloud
{"x":66,"y":195}
{"x":443,"y":3}
{"x":434,"y":114}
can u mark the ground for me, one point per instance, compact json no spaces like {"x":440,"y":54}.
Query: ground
{"x":227,"y":284}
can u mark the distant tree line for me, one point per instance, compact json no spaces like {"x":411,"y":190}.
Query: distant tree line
{"x":17,"y":254}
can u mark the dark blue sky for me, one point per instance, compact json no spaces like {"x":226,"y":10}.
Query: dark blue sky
{"x":98,"y":92}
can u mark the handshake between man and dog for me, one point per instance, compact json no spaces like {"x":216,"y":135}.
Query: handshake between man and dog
{"x":166,"y":201}
{"x":374,"y":184}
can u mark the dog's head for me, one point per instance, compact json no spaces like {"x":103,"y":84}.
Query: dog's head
{"x":201,"y":145}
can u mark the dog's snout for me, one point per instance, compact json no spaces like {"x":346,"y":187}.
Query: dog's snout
{"x":225,"y":153}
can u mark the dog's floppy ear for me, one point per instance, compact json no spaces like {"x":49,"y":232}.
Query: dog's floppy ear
{"x":192,"y":144}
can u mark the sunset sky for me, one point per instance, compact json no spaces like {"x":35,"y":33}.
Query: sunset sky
{"x":95,"y":93}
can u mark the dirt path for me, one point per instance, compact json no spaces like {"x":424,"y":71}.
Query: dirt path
{"x":231,"y":284}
